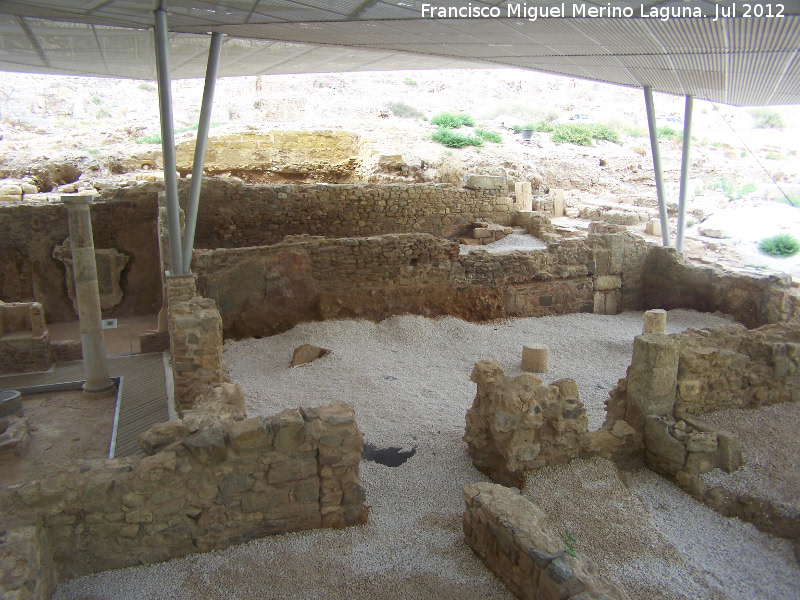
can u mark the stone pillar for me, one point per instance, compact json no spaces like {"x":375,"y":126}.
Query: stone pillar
{"x":524,"y":195}
{"x":559,"y":206}
{"x":655,"y":321}
{"x":87,"y":294}
{"x":653,"y":375}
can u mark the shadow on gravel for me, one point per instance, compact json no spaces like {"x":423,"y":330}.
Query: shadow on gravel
{"x":391,"y":457}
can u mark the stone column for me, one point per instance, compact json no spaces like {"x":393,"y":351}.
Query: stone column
{"x":87,"y":294}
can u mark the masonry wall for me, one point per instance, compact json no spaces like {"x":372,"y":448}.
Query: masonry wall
{"x":29,"y":232}
{"x":669,"y":281}
{"x":235,"y":215}
{"x":201,"y":489}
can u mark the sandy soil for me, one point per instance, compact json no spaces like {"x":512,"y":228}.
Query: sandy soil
{"x":64,"y":426}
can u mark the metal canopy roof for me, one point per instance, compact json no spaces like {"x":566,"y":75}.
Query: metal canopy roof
{"x":741,"y":61}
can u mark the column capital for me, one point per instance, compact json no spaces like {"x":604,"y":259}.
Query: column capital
{"x":77,"y":200}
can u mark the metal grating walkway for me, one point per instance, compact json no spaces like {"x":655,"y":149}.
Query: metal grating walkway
{"x":143,"y":398}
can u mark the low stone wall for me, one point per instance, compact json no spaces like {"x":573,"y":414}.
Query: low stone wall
{"x":266,"y":290}
{"x":27,"y":571}
{"x":670,"y":281}
{"x":24,"y":339}
{"x":513,"y":537}
{"x":206,"y":485}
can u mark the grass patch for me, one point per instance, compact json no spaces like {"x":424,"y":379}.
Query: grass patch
{"x":790,"y":200}
{"x":635,"y":132}
{"x":97,"y":100}
{"x":543,"y":126}
{"x":401,"y":109}
{"x":584,"y":135}
{"x":452,"y":121}
{"x":146,"y":87}
{"x":670,"y":134}
{"x":605,"y":132}
{"x":767,"y":118}
{"x":453,"y":139}
{"x":781,"y":245}
{"x":771,"y":155}
{"x":148,"y":139}
{"x":410,"y":81}
{"x":489,"y":136}
{"x":754,"y":266}
{"x":730,"y":190}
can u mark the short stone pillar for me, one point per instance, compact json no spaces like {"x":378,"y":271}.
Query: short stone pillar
{"x":655,"y":321}
{"x":524,"y":195}
{"x":534,"y":358}
{"x":653,"y":227}
{"x":87,"y":294}
{"x":559,"y":206}
{"x":653,"y":375}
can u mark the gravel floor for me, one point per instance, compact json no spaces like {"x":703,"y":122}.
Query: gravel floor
{"x":519,"y":240}
{"x":408,"y":379}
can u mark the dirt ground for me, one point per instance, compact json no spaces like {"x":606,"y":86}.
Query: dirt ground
{"x":64,"y":426}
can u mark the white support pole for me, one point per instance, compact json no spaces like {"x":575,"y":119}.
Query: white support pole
{"x":685,"y":164}
{"x":662,"y":202}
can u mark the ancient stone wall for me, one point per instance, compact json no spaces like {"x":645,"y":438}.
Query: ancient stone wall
{"x":265,"y":290}
{"x":27,"y":571}
{"x":30,"y":232}
{"x":517,"y":424}
{"x":514,"y":538}
{"x":324,"y":155}
{"x":669,"y":281}
{"x":235,"y":215}
{"x":24,"y":339}
{"x":204,"y":486}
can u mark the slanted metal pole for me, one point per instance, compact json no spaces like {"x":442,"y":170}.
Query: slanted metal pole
{"x":662,"y":203}
{"x":687,"y":143}
{"x":168,"y":142}
{"x":200,"y":149}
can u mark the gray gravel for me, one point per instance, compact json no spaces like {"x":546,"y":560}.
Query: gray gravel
{"x":408,"y":379}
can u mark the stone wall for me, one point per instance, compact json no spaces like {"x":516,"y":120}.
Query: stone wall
{"x":204,"y":486}
{"x":27,"y":571}
{"x":235,"y":215}
{"x":324,"y":155}
{"x":670,"y":281}
{"x":268,"y":289}
{"x":24,"y":339}
{"x":514,"y":538}
{"x":517,"y":424}
{"x":124,"y":220}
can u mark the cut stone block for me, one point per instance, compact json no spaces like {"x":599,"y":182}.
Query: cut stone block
{"x":306,"y":353}
{"x":484,"y":182}
{"x":558,"y":202}
{"x":655,"y":321}
{"x":524,"y":195}
{"x":653,"y":227}
{"x":534,"y":358}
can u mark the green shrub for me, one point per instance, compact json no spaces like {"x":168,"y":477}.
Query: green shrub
{"x":780,"y":245}
{"x":451,"y":139}
{"x":409,"y":81}
{"x":489,"y":136}
{"x":635,"y":132}
{"x":670,"y":134}
{"x":543,"y":126}
{"x":730,"y":190}
{"x":790,"y":200}
{"x":604,"y":132}
{"x":771,"y":155}
{"x":580,"y":135}
{"x":149,"y":139}
{"x":452,"y":121}
{"x":401,"y":109}
{"x":146,"y":87}
{"x":767,"y":118}
{"x":97,"y":100}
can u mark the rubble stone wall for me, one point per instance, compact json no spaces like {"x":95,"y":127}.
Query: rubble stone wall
{"x":233,"y":214}
{"x":124,"y":221}
{"x":515,"y":540}
{"x":669,"y":281}
{"x":268,"y":289}
{"x":204,"y":486}
{"x":24,"y":339}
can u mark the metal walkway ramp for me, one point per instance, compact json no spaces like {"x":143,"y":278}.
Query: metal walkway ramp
{"x":141,"y":399}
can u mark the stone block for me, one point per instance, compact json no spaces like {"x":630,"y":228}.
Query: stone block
{"x":161,"y":435}
{"x":729,"y":451}
{"x":653,"y":227}
{"x":702,"y":441}
{"x":251,"y":434}
{"x":604,"y":283}
{"x":485,"y":182}
{"x":655,"y":321}
{"x":653,"y":374}
{"x":658,"y":440}
{"x":288,"y":430}
{"x":207,"y":446}
{"x":306,"y":353}
{"x":559,"y":204}
{"x":534,"y":358}
{"x":524,"y":195}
